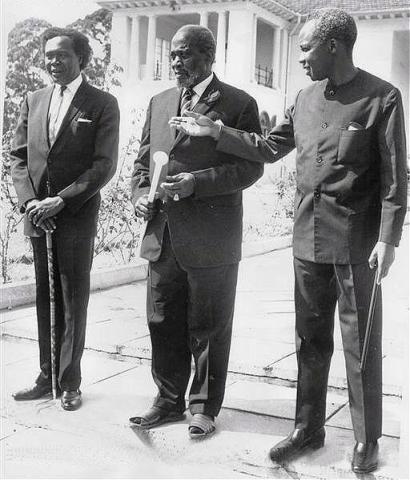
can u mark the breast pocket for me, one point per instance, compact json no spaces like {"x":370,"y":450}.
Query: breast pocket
{"x":354,"y":146}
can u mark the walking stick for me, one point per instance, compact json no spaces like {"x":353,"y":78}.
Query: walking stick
{"x":50,"y":266}
{"x":160,"y":162}
{"x":369,"y":324}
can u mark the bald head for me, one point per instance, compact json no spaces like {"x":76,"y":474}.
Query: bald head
{"x":192,"y":54}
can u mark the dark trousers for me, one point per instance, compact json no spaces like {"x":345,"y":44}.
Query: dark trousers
{"x":318,"y":287}
{"x":190,"y":313}
{"x":72,"y":265}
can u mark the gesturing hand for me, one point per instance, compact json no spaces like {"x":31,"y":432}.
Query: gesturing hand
{"x":145,"y":209}
{"x":196,"y":125}
{"x":382,"y":256}
{"x":179,"y":186}
{"x":39,"y":210}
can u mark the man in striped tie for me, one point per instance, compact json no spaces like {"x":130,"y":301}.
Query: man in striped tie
{"x":193,"y":237}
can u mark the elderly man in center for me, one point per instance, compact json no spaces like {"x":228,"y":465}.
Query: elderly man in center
{"x":193,"y":237}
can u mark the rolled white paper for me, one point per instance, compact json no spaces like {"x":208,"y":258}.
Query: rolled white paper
{"x":160,"y":160}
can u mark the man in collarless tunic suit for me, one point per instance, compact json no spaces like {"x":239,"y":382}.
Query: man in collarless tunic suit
{"x":64,"y":151}
{"x":348,"y":129}
{"x":193,"y":239}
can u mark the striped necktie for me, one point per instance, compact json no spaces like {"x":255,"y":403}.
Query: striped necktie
{"x":186,"y":100}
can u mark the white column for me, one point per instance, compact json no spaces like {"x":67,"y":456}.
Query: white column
{"x":276,"y":62}
{"x":119,"y":41}
{"x":253,"y":48}
{"x":134,"y":60}
{"x":152,"y":35}
{"x":203,"y":19}
{"x":284,"y":53}
{"x":240,"y":56}
{"x":220,"y":57}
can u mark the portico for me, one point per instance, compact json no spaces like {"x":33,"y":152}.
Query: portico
{"x":251,"y":43}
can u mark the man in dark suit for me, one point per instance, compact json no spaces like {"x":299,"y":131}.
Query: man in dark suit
{"x":64,"y":151}
{"x":348,"y":129}
{"x":193,"y":237}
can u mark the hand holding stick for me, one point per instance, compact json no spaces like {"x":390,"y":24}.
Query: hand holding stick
{"x":369,"y":324}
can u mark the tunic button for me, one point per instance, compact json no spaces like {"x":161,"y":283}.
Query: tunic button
{"x":331,"y":93}
{"x":319,"y":159}
{"x":316,"y":193}
{"x":324,"y":125}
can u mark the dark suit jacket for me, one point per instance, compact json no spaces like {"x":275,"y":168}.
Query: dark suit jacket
{"x":206,"y":228}
{"x":351,"y":167}
{"x":81,"y":161}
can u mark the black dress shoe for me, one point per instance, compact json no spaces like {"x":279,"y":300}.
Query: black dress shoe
{"x":295,"y":443}
{"x":365,"y":457}
{"x":32,"y":393}
{"x":71,"y":399}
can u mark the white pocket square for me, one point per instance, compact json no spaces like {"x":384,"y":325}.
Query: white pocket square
{"x":84,"y":120}
{"x":355,"y":126}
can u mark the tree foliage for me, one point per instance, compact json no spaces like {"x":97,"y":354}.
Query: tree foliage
{"x":24,"y":67}
{"x":97,"y":27}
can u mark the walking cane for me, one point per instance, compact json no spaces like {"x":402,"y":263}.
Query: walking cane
{"x":369,"y":325}
{"x":160,"y":162}
{"x":50,"y":266}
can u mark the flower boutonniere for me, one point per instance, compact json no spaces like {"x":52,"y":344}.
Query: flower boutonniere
{"x":212,"y":97}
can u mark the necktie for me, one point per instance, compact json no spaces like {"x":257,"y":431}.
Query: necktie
{"x":186,"y":100}
{"x":52,"y":129}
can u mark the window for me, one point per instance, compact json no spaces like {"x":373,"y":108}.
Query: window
{"x":162,"y":59}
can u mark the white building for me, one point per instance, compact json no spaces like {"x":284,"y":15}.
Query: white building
{"x":257,"y":47}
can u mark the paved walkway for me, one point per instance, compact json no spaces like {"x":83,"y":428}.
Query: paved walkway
{"x":39,"y":440}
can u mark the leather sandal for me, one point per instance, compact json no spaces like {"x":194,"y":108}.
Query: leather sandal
{"x":155,"y":417}
{"x":201,"y":426}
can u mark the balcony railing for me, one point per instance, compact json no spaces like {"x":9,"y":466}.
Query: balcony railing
{"x":264,"y":76}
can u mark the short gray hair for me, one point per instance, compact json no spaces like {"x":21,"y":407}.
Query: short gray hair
{"x":201,"y":38}
{"x":334,"y":23}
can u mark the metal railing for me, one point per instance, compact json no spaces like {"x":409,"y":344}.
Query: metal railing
{"x":162,"y":70}
{"x":264,"y":76}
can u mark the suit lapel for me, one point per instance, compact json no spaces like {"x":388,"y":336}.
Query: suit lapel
{"x":204,"y":104}
{"x":172,"y":108}
{"x":79,"y":98}
{"x":44,"y":109}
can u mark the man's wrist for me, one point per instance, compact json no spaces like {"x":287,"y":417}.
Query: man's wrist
{"x":61,"y":200}
{"x":216,"y":131}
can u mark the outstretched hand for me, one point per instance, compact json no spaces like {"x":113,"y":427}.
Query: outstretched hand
{"x":196,"y":125}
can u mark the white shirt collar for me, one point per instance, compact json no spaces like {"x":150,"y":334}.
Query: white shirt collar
{"x":73,"y":86}
{"x":202,"y":86}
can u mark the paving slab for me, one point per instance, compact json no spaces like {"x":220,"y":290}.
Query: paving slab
{"x":272,"y":400}
{"x":96,"y":441}
{"x":393,"y":414}
{"x":16,"y":351}
{"x":9,"y":428}
{"x":253,"y":355}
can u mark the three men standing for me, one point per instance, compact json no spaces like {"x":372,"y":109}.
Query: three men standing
{"x":194,"y":234}
{"x":64,"y":151}
{"x":348,"y":129}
